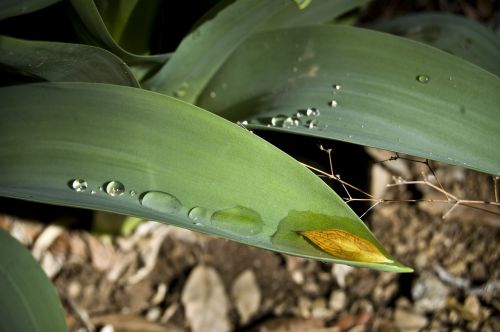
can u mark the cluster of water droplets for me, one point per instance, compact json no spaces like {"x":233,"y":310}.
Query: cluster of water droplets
{"x":237,"y":220}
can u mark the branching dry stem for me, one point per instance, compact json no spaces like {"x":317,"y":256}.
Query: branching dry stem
{"x":449,"y":198}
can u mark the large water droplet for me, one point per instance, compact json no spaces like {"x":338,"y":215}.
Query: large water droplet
{"x":422,"y":78}
{"x":277,"y":121}
{"x":291,"y":121}
{"x":115,"y":188}
{"x":239,"y":220}
{"x":78,"y":185}
{"x":160,"y":201}
{"x":198,"y":214}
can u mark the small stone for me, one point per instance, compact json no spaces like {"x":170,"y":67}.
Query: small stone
{"x":338,"y":301}
{"x":473,"y":307}
{"x":429,"y":293}
{"x":408,"y":321}
{"x":320,"y":310}
{"x":153,"y":314}
{"x":478,"y":272}
{"x":74,"y":289}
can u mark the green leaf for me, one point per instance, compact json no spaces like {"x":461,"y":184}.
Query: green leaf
{"x":393,"y":93}
{"x":11,"y":8}
{"x":159,"y":158}
{"x":130,"y":22}
{"x":29,"y":302}
{"x":205,"y":50}
{"x":64,"y":62}
{"x":454,"y":34}
{"x":92,"y":28}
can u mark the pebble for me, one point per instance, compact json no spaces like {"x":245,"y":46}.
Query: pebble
{"x":429,"y":293}
{"x":408,"y":321}
{"x":338,"y":301}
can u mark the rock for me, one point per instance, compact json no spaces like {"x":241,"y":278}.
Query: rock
{"x":429,"y":293}
{"x":338,"y":301}
{"x":246,"y":294}
{"x":473,"y":307}
{"x":408,"y":321}
{"x":205,"y":301}
{"x":340,"y":272}
{"x":478,"y":272}
{"x":319,"y":309}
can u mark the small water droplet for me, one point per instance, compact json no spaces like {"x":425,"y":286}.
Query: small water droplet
{"x":349,"y":136}
{"x":213,"y":94}
{"x":78,"y":185}
{"x":291,"y":121}
{"x":311,"y":111}
{"x":93,"y":192}
{"x":336,"y":86}
{"x":422,"y":78}
{"x":295,"y":69}
{"x":301,"y":114}
{"x":182,"y":90}
{"x":132,"y":193}
{"x":101,"y":188}
{"x":160,"y":201}
{"x":115,"y":188}
{"x":362,"y":126}
{"x":239,"y":220}
{"x":277,"y":121}
{"x":197,"y":214}
{"x":242,"y":123}
{"x":312,"y":124}
{"x":333,"y":103}
{"x":339,"y":118}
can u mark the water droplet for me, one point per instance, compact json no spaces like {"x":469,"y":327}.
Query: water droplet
{"x":93,"y":192}
{"x":333,"y":103}
{"x":349,"y":136}
{"x":277,"y":121}
{"x":339,"y":118}
{"x":291,"y":121}
{"x":224,"y":86}
{"x":423,"y":78}
{"x":161,"y":202}
{"x":311,"y":111}
{"x":301,"y":114}
{"x":114,"y":188}
{"x":239,"y":220}
{"x":312,"y":124}
{"x":336,"y":86}
{"x":213,"y":94}
{"x":78,"y":185}
{"x":295,"y":69}
{"x":362,"y":126}
{"x":132,"y":193}
{"x":197,"y":214}
{"x":182,"y":90}
{"x":101,"y":188}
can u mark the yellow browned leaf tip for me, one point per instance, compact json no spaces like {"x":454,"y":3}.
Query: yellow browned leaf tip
{"x":345,"y":245}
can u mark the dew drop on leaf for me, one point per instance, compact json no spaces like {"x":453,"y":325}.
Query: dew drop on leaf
{"x":114,"y":188}
{"x":238,"y":220}
{"x":198,"y":214}
{"x":422,"y":78}
{"x":78,"y":185}
{"x":160,"y":201}
{"x":333,"y":103}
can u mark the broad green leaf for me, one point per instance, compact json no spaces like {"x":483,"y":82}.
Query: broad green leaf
{"x":92,"y":28}
{"x":64,"y":62}
{"x":370,"y":88}
{"x":159,"y":158}
{"x":11,"y":8}
{"x":130,"y":22}
{"x":29,"y":302}
{"x":454,"y":34}
{"x":205,"y":50}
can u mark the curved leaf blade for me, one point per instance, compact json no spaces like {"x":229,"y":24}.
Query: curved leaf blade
{"x":64,"y":62}
{"x":159,"y":158}
{"x":92,"y":27}
{"x":29,"y":302}
{"x":454,"y":34}
{"x":371,"y":88}
{"x":202,"y":52}
{"x":11,"y":8}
